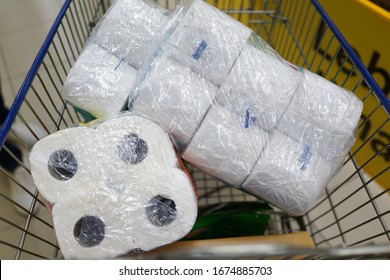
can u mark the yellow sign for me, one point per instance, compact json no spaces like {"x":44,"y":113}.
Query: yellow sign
{"x":367,"y":28}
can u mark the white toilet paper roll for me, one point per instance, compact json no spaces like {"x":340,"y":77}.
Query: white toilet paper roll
{"x":175,"y":97}
{"x":61,"y":163}
{"x":129,"y":28}
{"x":208,"y":40}
{"x":64,"y":163}
{"x":163,"y":227}
{"x":149,"y":213}
{"x":326,"y":105}
{"x":226,"y":146}
{"x":330,"y":144}
{"x":99,"y":82}
{"x":135,"y":144}
{"x":289,"y":174}
{"x":260,"y":83}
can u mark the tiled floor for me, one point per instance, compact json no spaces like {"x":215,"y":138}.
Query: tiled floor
{"x":23,"y":27}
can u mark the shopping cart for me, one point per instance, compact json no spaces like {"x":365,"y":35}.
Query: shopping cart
{"x":351,"y":218}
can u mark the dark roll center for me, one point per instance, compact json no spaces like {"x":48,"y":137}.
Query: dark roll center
{"x":89,"y":231}
{"x":62,"y":165}
{"x":132,"y":149}
{"x":161,"y":211}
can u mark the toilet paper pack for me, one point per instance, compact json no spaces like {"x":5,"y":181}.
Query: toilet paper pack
{"x":99,"y":82}
{"x":225,"y":146}
{"x":122,"y":175}
{"x":207,"y":40}
{"x":175,"y":97}
{"x":289,"y":174}
{"x":129,"y":28}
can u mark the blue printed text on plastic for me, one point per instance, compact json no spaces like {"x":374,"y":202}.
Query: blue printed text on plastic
{"x":248,"y":118}
{"x":305,"y":157}
{"x":198,"y":52}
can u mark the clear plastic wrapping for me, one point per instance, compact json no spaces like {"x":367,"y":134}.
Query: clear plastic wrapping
{"x":99,"y":82}
{"x":123,"y":183}
{"x":106,"y":71}
{"x":129,"y":28}
{"x":239,"y":112}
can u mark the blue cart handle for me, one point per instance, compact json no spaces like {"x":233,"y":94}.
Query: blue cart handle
{"x":355,"y":59}
{"x":31,"y":74}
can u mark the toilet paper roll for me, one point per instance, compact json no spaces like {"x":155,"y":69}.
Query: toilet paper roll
{"x":175,"y":97}
{"x":136,"y":144}
{"x":64,"y":163}
{"x":226,"y":146}
{"x":99,"y":82}
{"x":290,"y":175}
{"x":260,"y":83}
{"x":208,"y":40}
{"x":330,"y":144}
{"x":129,"y":28}
{"x":61,"y":163}
{"x":326,"y":105}
{"x":149,"y":213}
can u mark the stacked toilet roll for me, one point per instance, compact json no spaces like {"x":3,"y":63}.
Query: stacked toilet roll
{"x":307,"y":147}
{"x":99,"y":82}
{"x":122,"y":181}
{"x":129,"y":28}
{"x":207,"y":40}
{"x":239,"y":112}
{"x":106,"y":71}
{"x":175,"y":97}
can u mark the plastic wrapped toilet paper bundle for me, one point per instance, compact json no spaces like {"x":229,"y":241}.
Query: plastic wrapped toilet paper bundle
{"x":260,"y":83}
{"x":104,"y":74}
{"x":129,"y":28}
{"x":207,"y":40}
{"x":226,"y":146}
{"x":175,"y":97}
{"x":99,"y":82}
{"x":289,"y":174}
{"x":123,"y":182}
{"x":253,"y":99}
{"x":308,"y":146}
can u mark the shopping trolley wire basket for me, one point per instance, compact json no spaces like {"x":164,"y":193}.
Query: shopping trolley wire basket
{"x":351,"y":218}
